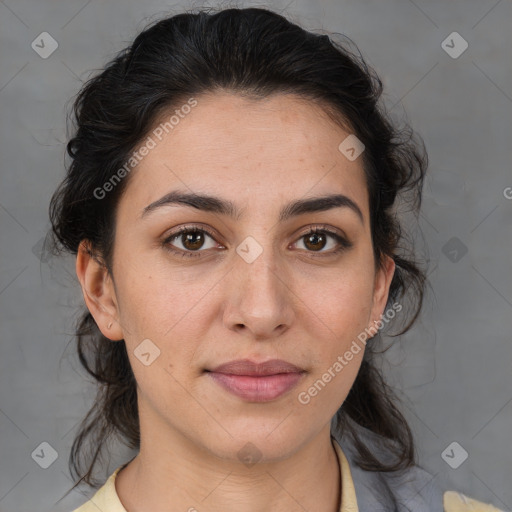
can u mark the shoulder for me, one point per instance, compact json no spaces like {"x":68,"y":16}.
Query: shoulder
{"x":413,"y":489}
{"x":456,"y":502}
{"x":105,"y":499}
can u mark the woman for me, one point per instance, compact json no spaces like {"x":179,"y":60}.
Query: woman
{"x":231,"y":202}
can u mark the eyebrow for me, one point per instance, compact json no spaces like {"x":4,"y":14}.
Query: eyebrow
{"x":221,"y":206}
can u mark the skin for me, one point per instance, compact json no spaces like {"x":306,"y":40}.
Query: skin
{"x":293,"y":302}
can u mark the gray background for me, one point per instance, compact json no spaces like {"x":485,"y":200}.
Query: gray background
{"x":453,"y":370}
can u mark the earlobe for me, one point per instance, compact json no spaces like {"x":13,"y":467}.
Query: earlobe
{"x":98,"y":291}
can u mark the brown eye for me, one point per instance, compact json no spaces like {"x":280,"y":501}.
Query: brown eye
{"x":317,"y":239}
{"x":192,"y":240}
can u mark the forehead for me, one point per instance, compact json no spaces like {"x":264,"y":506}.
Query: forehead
{"x":252,"y":151}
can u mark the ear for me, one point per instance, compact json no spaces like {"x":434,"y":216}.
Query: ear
{"x":98,"y":291}
{"x":383,"y":278}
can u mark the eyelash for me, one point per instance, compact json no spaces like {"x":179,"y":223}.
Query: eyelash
{"x":344,"y":244}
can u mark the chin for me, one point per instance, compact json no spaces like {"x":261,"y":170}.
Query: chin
{"x":260,"y":442}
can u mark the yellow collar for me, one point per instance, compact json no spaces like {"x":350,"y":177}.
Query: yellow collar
{"x":348,"y":493}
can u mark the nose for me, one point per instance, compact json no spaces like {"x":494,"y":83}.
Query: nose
{"x":260,"y":300}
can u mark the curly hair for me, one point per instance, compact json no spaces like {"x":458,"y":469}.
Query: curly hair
{"x":252,"y":52}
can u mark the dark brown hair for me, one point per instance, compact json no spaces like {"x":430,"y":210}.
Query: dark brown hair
{"x":254,"y":52}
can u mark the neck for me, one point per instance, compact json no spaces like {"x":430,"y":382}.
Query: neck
{"x":177,"y":475}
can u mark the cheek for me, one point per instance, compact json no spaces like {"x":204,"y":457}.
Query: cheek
{"x":342,"y":299}
{"x":339,"y":317}
{"x":338,"y":313}
{"x":154,"y":296}
{"x":172,"y":313}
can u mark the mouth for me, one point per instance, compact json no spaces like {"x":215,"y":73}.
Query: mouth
{"x":257,"y":382}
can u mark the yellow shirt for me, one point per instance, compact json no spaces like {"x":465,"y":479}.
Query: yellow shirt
{"x":107,"y":500}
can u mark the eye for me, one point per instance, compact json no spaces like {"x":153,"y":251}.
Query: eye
{"x":317,"y":239}
{"x":191,"y":239}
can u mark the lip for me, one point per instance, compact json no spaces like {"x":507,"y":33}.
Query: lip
{"x":252,"y":368}
{"x":257,"y":382}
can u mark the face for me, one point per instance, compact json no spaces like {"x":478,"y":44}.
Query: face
{"x":252,"y":283}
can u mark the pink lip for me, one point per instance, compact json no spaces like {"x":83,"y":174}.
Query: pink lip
{"x":257,"y":382}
